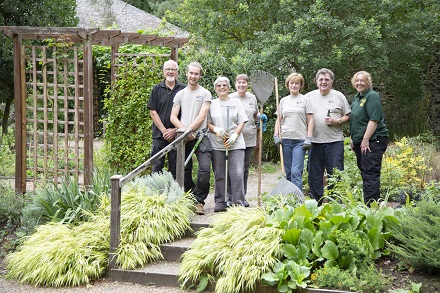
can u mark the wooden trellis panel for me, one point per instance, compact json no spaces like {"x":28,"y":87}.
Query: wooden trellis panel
{"x":54,"y":86}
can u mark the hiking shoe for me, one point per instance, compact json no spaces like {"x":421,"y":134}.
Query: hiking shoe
{"x":246,"y":204}
{"x":199,"y":210}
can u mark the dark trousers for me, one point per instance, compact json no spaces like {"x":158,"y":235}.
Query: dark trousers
{"x":158,"y":145}
{"x":370,"y":165}
{"x":201,"y":188}
{"x":323,"y":156}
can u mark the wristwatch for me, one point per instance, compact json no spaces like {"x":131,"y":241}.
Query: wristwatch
{"x":339,"y":121}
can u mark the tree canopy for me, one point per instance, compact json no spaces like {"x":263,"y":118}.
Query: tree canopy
{"x":395,"y":40}
{"x":27,"y":13}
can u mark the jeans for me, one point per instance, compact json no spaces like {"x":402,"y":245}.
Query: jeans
{"x":201,"y":188}
{"x":370,"y":165}
{"x":323,"y":156}
{"x":158,"y":145}
{"x":293,"y":155}
{"x":235,"y":175}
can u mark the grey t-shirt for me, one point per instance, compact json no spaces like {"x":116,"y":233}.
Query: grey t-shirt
{"x":337,"y":103}
{"x":294,"y":111}
{"x":218,"y":114}
{"x":249,"y":102}
{"x":190,"y":102}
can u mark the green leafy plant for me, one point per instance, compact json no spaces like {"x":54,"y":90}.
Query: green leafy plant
{"x":11,"y":204}
{"x":7,"y":158}
{"x":128,"y":123}
{"x":66,"y":202}
{"x":349,"y":238}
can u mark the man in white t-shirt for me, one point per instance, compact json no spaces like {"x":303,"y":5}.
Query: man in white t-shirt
{"x":330,"y":111}
{"x":193,"y":103}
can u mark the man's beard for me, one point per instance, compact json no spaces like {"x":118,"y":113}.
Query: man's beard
{"x":171,"y":79}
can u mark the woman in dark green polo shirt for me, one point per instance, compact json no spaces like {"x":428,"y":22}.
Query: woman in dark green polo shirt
{"x":369,"y":134}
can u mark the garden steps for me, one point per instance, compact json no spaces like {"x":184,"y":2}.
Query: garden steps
{"x":164,"y":272}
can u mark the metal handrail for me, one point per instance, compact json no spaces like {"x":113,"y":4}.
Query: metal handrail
{"x":118,"y":181}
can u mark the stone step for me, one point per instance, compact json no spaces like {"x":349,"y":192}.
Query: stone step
{"x":161,"y":274}
{"x":173,"y":251}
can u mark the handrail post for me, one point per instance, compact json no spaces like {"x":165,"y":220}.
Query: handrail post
{"x":180,"y":168}
{"x":115,"y":220}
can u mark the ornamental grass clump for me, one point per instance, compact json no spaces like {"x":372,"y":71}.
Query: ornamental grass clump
{"x":63,"y":255}
{"x":235,"y":251}
{"x":154,"y":211}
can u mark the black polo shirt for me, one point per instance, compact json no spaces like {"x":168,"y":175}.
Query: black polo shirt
{"x":161,"y":100}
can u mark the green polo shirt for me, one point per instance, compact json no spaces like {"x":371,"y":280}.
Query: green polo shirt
{"x":366,"y":107}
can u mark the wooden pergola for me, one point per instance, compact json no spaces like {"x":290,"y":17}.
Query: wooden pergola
{"x":44,"y":83}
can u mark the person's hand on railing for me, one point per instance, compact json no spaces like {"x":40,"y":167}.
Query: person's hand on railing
{"x":170,"y":134}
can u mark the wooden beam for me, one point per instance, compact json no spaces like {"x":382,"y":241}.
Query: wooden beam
{"x":20,"y":116}
{"x":88,"y":113}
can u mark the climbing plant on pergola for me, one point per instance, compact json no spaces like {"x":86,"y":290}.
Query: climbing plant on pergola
{"x":53,"y":92}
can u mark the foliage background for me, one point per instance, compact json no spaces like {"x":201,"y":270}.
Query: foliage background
{"x":395,"y":40}
{"x":26,"y":13}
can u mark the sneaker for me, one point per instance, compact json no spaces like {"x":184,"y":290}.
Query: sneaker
{"x":199,"y":210}
{"x":246,"y":204}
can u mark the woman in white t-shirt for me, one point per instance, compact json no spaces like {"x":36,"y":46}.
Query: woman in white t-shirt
{"x":226,"y":119}
{"x":296,"y":118}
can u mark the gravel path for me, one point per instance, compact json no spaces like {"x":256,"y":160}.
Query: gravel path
{"x":268,"y":182}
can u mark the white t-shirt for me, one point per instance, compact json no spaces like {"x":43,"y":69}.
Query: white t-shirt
{"x":190,"y":102}
{"x":337,"y":103}
{"x":218,"y":114}
{"x":249,"y":102}
{"x":294,"y":111}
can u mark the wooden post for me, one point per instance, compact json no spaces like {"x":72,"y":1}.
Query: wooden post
{"x":20,"y":116}
{"x":180,"y":168}
{"x":115,"y":219}
{"x":174,"y":54}
{"x":88,"y":113}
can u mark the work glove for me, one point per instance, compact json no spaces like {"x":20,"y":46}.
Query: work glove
{"x":230,"y":141}
{"x":220,"y":132}
{"x":276,"y":140}
{"x":307,"y":143}
{"x":262,"y":117}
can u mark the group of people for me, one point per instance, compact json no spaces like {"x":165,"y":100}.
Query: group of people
{"x":226,"y":132}
{"x":314,"y":122}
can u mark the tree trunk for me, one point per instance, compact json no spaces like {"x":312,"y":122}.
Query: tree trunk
{"x":6,"y":115}
{"x":433,"y":90}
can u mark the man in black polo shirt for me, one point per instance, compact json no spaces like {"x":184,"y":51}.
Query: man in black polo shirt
{"x":160,"y":105}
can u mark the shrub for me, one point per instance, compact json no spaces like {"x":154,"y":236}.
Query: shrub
{"x":7,"y":156}
{"x":368,"y":279}
{"x":66,"y":202}
{"x":417,"y":239}
{"x":129,"y":124}
{"x":11,"y":204}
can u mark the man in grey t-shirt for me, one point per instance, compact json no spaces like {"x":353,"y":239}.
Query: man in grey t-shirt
{"x":330,"y":111}
{"x":193,"y":104}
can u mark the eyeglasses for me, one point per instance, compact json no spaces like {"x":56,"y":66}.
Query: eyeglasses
{"x":323,"y":79}
{"x":222,"y":85}
{"x":170,"y":69}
